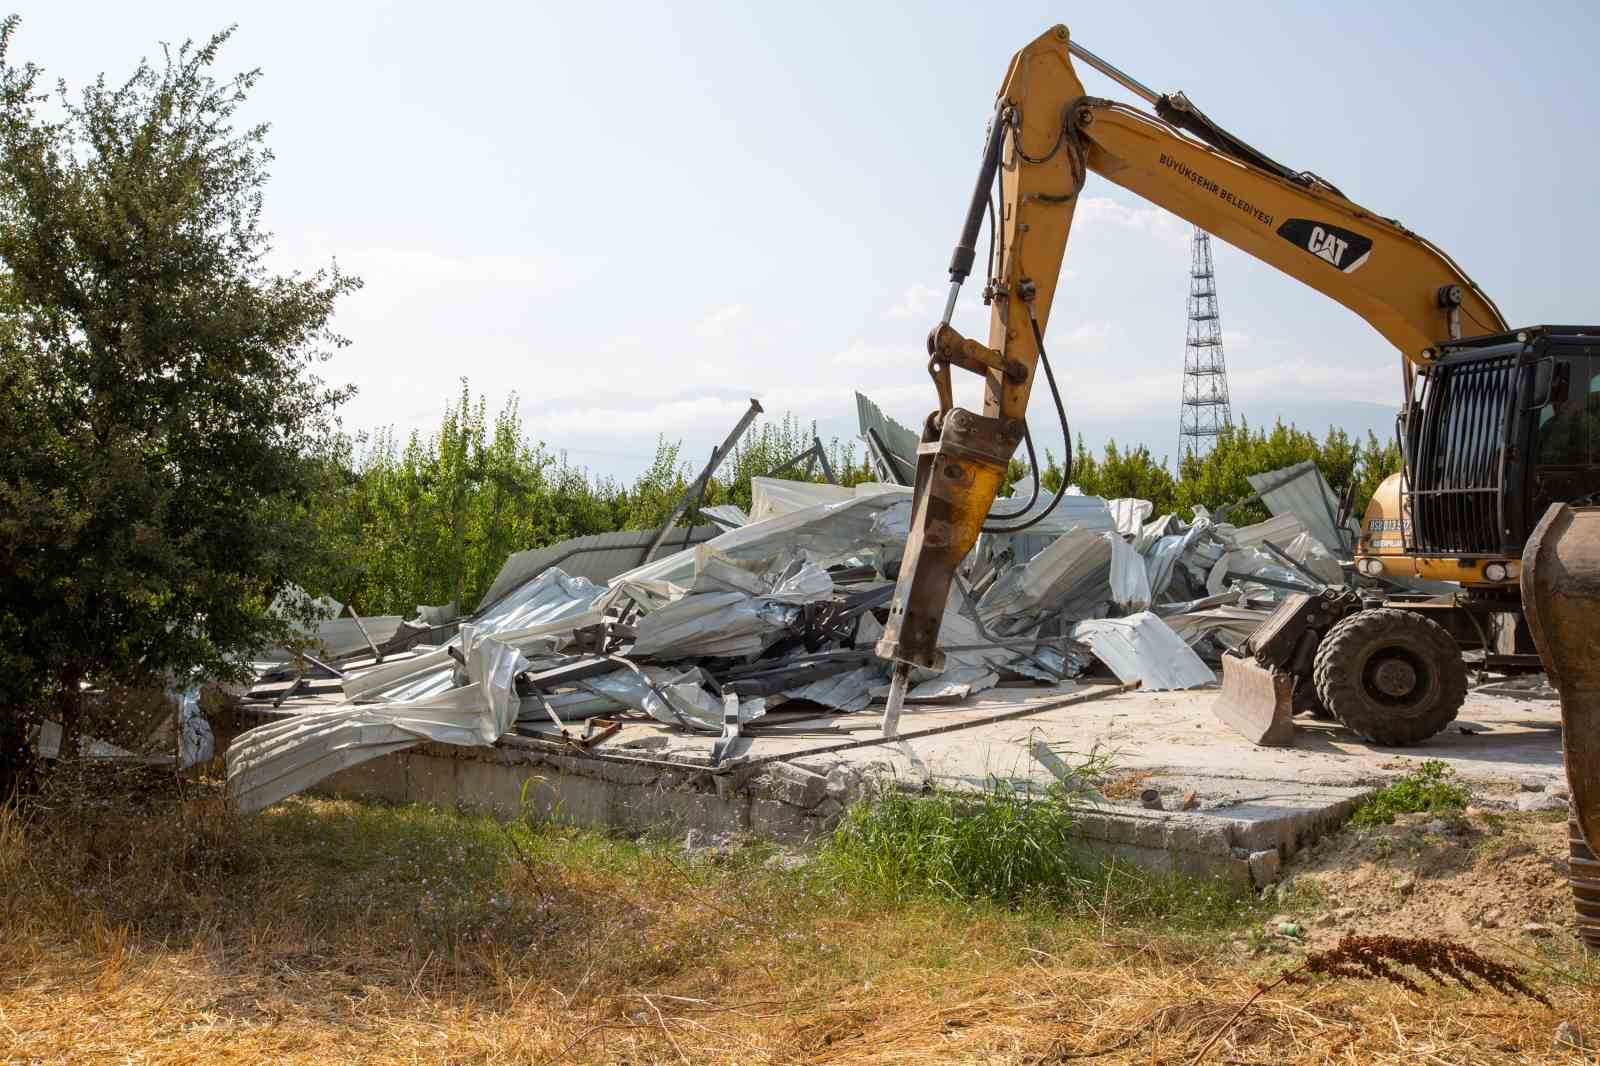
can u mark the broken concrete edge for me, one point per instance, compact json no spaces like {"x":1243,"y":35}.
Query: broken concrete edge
{"x":794,"y":804}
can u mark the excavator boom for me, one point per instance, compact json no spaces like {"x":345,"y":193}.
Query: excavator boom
{"x":1046,"y":135}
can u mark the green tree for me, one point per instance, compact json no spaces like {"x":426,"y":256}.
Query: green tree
{"x":159,"y":402}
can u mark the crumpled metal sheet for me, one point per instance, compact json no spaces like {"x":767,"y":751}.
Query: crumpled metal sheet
{"x":1074,"y":576}
{"x":1075,"y":511}
{"x":734,"y":611}
{"x":771,"y":496}
{"x":1228,"y":625}
{"x":1130,"y":514}
{"x":1050,"y":662}
{"x":953,"y":686}
{"x":1254,"y":561}
{"x":1077,"y":560}
{"x":549,"y":597}
{"x":871,"y":524}
{"x":1143,"y":648}
{"x":274,"y":761}
{"x":899,"y":440}
{"x":715,"y":624}
{"x":1309,"y":553}
{"x":1302,"y":491}
{"x":1280,"y":529}
{"x":670,"y":696}
{"x":847,"y":692}
{"x":726,"y":515}
{"x":1130,"y":580}
{"x":538,"y":616}
{"x":598,"y":557}
{"x":1166,"y":550}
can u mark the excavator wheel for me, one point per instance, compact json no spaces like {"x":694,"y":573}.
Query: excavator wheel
{"x":1584,"y":872}
{"x":1391,"y":676}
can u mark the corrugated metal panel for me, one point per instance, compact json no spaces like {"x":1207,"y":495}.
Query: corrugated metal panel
{"x":1300,"y":490}
{"x":897,"y":438}
{"x":599,"y":558}
{"x":1143,"y":648}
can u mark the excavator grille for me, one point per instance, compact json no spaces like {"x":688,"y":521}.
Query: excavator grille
{"x":1457,"y":458}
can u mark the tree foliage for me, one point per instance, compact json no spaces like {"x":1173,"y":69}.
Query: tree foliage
{"x":157,"y":400}
{"x":432,"y":518}
{"x":1221,"y":475}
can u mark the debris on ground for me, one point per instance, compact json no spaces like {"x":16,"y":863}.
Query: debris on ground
{"x":710,"y":631}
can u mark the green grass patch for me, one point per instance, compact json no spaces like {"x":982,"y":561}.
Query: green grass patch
{"x":1429,"y":789}
{"x":1012,"y":847}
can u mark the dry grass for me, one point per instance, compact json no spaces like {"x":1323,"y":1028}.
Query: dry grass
{"x":330,"y":931}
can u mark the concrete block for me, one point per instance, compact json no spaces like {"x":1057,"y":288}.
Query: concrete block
{"x":620,"y":773}
{"x":796,"y":786}
{"x":1264,"y":867}
{"x":780,"y":821}
{"x":828,"y":812}
{"x":842,"y":782}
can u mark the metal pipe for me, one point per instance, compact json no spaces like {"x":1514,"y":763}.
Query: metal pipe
{"x":1129,"y":83}
{"x":970,"y":723}
{"x":376,"y":654}
{"x":822,"y":457}
{"x":1289,"y":561}
{"x":516,"y":740}
{"x":699,"y":484}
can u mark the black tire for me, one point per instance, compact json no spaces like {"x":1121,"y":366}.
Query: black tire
{"x":1391,"y":676}
{"x":1584,"y":873}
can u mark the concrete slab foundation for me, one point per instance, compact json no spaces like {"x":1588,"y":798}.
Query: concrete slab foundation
{"x":1252,"y":807}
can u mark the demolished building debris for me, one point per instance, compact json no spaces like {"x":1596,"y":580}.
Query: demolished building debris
{"x":781,"y":607}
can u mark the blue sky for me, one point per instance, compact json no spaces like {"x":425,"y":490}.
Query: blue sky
{"x":637,"y":216}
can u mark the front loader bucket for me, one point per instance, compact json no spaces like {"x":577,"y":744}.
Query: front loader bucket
{"x":1561,"y":595}
{"x":1256,"y":701}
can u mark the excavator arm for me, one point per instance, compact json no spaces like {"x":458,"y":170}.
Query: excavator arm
{"x":1045,"y":137}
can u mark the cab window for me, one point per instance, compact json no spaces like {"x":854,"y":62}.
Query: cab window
{"x":1569,"y":425}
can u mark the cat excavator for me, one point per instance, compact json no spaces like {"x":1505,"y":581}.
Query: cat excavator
{"x":1499,"y":427}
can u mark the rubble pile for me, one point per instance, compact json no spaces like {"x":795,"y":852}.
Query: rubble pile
{"x":782,"y":605}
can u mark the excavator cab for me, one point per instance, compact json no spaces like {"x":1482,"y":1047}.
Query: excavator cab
{"x":1505,"y":425}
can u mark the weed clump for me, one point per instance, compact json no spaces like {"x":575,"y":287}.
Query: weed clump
{"x":1011,"y":846}
{"x":1429,"y":789}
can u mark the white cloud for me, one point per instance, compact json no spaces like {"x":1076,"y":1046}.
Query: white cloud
{"x":1302,"y":377}
{"x":422,"y":265}
{"x":721,"y":322}
{"x":1088,"y":337}
{"x":1101,"y":212}
{"x":736,"y":323}
{"x":917,"y":301}
{"x":639,"y":416}
{"x":383,"y":267}
{"x":862,"y":354}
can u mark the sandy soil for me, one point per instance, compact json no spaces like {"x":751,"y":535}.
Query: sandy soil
{"x":1485,"y":878}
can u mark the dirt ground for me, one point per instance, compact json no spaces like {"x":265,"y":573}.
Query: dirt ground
{"x":1487,"y":879}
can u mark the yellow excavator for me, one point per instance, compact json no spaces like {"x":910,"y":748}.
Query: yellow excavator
{"x":1495,"y":424}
